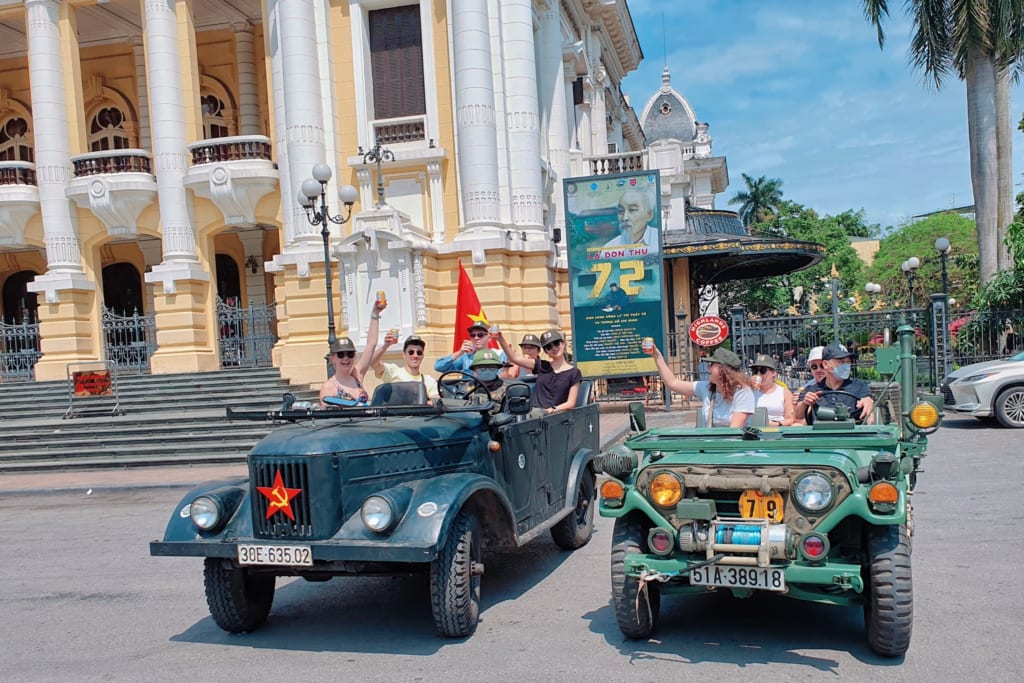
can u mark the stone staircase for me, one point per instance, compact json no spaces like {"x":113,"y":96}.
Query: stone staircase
{"x":167,"y":420}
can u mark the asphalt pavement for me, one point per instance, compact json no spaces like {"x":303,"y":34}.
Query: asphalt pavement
{"x":614,"y":425}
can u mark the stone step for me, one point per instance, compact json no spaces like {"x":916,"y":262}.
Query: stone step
{"x":115,"y":453}
{"x":208,"y":458}
{"x":94,"y":441}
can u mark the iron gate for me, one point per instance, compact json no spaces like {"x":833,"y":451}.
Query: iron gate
{"x":128,"y":340}
{"x":19,"y":351}
{"x":246,"y":334}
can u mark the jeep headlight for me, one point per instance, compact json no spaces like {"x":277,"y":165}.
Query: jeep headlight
{"x":666,"y":489}
{"x":377,"y":514}
{"x":924,"y":416}
{"x":813,"y":492}
{"x":205,"y":513}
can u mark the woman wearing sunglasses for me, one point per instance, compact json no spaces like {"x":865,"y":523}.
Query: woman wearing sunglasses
{"x":727,"y":398}
{"x":558,"y":380}
{"x":347,"y":381}
{"x":771,"y":394}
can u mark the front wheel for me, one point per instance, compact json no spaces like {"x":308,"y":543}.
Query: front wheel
{"x":637,"y":613}
{"x":1009,"y":407}
{"x":239,"y":599}
{"x":575,"y":529}
{"x":455,"y":579}
{"x":889,"y":609}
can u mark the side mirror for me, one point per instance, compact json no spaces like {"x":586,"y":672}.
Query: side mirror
{"x":517,"y":399}
{"x":637,"y":417}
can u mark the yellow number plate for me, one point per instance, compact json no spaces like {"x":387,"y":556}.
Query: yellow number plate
{"x":756,"y":505}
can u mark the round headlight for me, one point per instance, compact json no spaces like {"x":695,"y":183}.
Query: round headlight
{"x":666,"y":489}
{"x":924,"y":415}
{"x":205,"y":513}
{"x":813,"y":492}
{"x":377,"y":514}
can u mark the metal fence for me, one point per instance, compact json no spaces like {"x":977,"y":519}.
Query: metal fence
{"x":128,"y":341}
{"x":19,"y":351}
{"x":247,"y":335}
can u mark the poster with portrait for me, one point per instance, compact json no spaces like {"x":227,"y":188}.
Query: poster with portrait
{"x":613,"y":226}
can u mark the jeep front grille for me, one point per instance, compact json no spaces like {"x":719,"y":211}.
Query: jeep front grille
{"x":294,"y":475}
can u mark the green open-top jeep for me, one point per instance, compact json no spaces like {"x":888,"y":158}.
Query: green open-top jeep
{"x":817,"y":512}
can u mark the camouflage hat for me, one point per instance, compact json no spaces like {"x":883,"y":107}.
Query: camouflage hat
{"x":339,"y":345}
{"x":485,"y":357}
{"x":764,"y":361}
{"x":550,"y":337}
{"x":477,"y":325}
{"x":530,"y":340}
{"x":414,"y":340}
{"x":726,"y":358}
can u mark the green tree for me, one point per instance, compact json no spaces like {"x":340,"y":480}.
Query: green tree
{"x":980,"y":41}
{"x":759,"y":201}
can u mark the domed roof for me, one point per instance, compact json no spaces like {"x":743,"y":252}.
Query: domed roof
{"x":668,"y":115}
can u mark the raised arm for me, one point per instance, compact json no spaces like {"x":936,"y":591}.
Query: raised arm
{"x":668,"y":377}
{"x":377,"y":362}
{"x":513,"y":357}
{"x":372,"y":334}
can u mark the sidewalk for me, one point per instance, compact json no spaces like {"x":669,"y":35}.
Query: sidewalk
{"x":614,"y":425}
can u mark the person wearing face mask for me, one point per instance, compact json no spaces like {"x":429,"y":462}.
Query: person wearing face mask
{"x":771,"y":394}
{"x":837,"y":365}
{"x":486,"y":365}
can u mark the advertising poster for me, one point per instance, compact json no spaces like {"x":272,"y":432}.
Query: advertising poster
{"x":613,"y":225}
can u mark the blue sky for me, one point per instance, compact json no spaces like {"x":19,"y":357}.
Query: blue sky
{"x":799,"y":90}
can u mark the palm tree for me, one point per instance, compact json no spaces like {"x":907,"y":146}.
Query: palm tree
{"x":980,"y":41}
{"x":759,"y":201}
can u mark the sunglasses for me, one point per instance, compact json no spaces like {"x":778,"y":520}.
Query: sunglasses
{"x":761,"y":371}
{"x":478,"y":335}
{"x":346,"y":354}
{"x":548,"y":347}
{"x":414,"y":352}
{"x":816,"y":366}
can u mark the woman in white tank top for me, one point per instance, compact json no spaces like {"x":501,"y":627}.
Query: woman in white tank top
{"x":771,"y":394}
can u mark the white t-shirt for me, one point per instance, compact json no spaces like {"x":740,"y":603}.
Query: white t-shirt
{"x":398,"y":373}
{"x":774,"y":403}
{"x":720,"y":413}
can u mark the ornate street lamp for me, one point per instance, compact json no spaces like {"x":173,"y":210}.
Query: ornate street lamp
{"x":909,"y":267}
{"x":377,"y":155}
{"x":942,"y":246}
{"x":319,"y":214}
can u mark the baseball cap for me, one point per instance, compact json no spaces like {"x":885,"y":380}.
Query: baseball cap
{"x":477,"y":325}
{"x":815,"y":353}
{"x":413,"y":340}
{"x":550,"y":337}
{"x":339,"y":345}
{"x":725,"y":357}
{"x":485,"y":357}
{"x":530,"y":340}
{"x":764,"y":361}
{"x":835,"y":351}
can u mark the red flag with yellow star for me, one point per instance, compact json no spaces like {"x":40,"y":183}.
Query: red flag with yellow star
{"x":467,"y":310}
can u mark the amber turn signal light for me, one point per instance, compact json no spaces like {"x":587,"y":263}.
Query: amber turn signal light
{"x":883,"y":492}
{"x":924,"y":415}
{"x":612,"y":490}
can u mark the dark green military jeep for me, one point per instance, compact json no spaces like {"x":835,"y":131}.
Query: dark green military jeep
{"x":395,"y":487}
{"x":817,"y":513}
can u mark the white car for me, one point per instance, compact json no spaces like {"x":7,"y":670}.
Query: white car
{"x":993,"y":389}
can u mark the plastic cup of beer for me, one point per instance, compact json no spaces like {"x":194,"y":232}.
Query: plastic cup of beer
{"x":393,"y":335}
{"x":382,"y":297}
{"x":647,"y":344}
{"x":494,"y":330}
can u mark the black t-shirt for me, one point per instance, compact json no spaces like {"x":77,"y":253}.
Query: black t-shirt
{"x":857,"y":387}
{"x":553,"y":387}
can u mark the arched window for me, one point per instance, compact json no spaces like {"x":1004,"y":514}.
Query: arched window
{"x":215,"y":121}
{"x":107,"y":130}
{"x":15,"y":141}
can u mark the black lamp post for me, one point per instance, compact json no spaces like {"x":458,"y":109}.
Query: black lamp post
{"x":377,"y":155}
{"x":319,"y":214}
{"x":909,"y":267}
{"x":942,"y":246}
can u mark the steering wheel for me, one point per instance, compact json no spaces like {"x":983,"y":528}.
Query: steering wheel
{"x":814,"y":409}
{"x":464,"y":388}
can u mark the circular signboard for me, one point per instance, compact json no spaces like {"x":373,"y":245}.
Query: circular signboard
{"x":708,"y":331}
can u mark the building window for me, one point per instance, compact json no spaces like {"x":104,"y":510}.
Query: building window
{"x":396,"y":61}
{"x":15,"y":141}
{"x":215,"y":123}
{"x":107,"y":130}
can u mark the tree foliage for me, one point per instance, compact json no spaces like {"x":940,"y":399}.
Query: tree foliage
{"x":759,"y":201}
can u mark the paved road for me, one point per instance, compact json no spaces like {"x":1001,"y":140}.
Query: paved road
{"x":82,"y":600}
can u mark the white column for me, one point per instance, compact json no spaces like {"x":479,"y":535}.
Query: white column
{"x":304,"y":112}
{"x":436,"y":202}
{"x":598,"y":124}
{"x":248,"y":95}
{"x":474,"y":112}
{"x":289,"y":193}
{"x":523,"y":118}
{"x":142,"y":93}
{"x":553,"y":103}
{"x":169,"y":140}
{"x":52,"y":149}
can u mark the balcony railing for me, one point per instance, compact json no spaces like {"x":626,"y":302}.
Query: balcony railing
{"x":112,"y":161}
{"x":407,"y":129}
{"x":17,"y":173}
{"x":236,"y":148}
{"x":622,"y":162}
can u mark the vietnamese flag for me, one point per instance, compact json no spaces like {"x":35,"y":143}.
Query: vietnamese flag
{"x":467,"y":310}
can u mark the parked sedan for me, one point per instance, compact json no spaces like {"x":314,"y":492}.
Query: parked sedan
{"x":993,"y":389}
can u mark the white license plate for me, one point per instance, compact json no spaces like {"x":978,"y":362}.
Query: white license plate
{"x":285,"y":555}
{"x":760,"y":578}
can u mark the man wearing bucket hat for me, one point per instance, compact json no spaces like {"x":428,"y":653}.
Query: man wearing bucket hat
{"x":461,"y":359}
{"x":856,"y":393}
{"x":412,"y":354}
{"x":530,"y":346}
{"x":727,"y":397}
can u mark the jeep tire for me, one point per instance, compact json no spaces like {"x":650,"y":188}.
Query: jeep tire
{"x":575,"y":529}
{"x":1009,"y":407}
{"x":455,"y":579}
{"x":889,"y":605}
{"x":637,"y":618}
{"x":239,"y":599}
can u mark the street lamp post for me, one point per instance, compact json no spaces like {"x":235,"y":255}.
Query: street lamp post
{"x":942,"y":246}
{"x":319,"y":214}
{"x":909,"y":267}
{"x":377,"y":155}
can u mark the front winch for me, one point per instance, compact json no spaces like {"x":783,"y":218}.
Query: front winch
{"x":747,"y":542}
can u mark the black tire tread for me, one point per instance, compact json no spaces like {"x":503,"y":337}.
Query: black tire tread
{"x":569,"y":533}
{"x":889,"y":611}
{"x":627,"y":538}
{"x":454,"y":590}
{"x":239,"y":601}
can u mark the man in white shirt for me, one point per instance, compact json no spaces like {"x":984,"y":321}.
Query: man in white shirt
{"x":412,"y":352}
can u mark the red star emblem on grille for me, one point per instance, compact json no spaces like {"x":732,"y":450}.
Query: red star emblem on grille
{"x":279,"y":497}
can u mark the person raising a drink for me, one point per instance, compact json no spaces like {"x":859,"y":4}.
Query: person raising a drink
{"x":727,"y":396}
